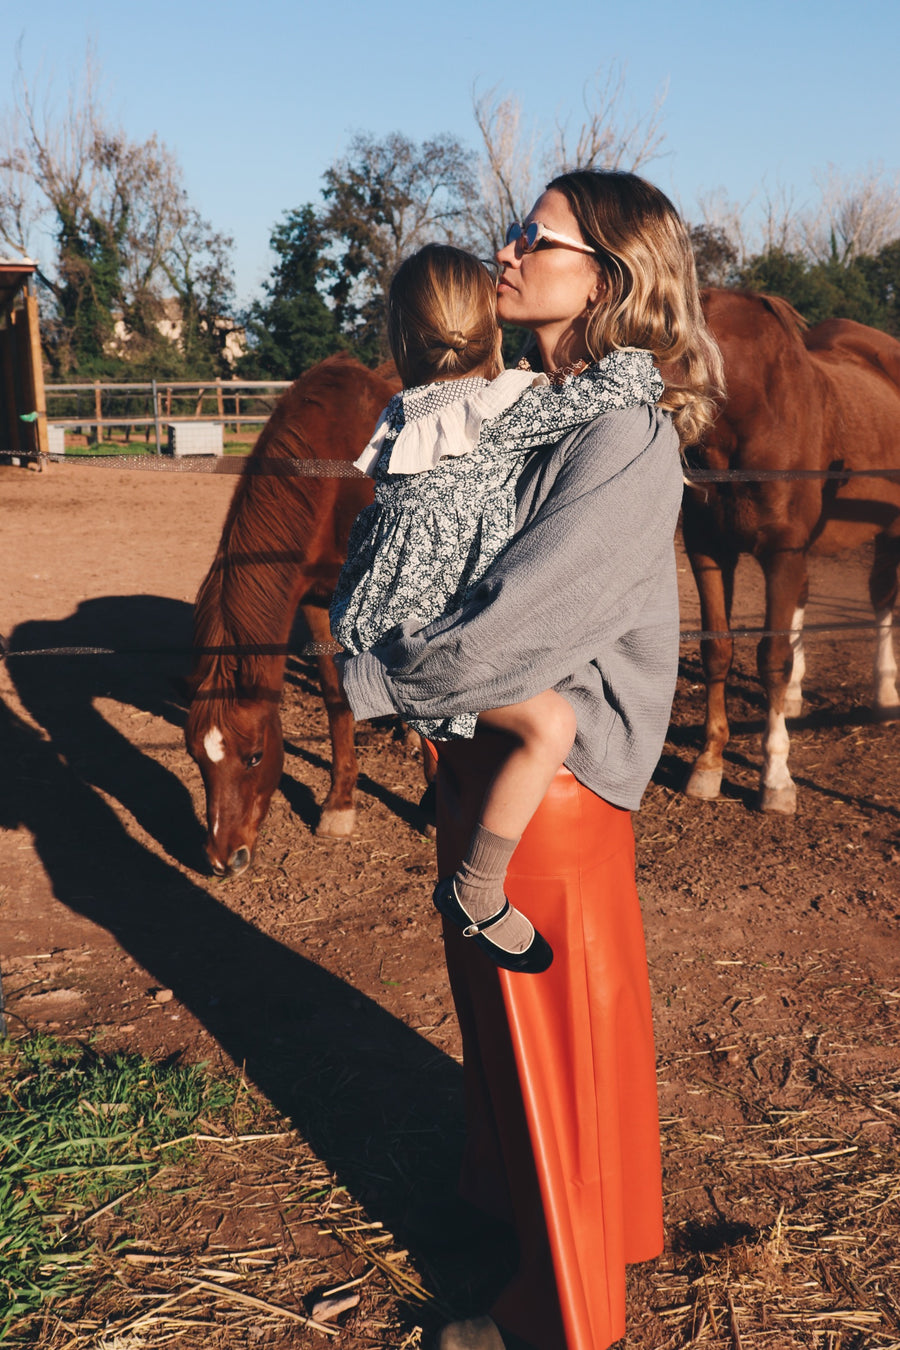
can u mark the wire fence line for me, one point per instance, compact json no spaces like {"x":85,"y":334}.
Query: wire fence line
{"x":330,"y":468}
{"x":337,"y":468}
{"x":334,"y":648}
{"x":208,"y":464}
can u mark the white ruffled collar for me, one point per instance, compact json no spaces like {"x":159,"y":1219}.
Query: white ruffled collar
{"x":448,"y":432}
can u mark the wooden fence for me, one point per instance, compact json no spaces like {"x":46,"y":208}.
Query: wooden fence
{"x":150,"y":404}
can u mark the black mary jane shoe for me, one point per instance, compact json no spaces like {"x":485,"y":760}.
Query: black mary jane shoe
{"x":536,"y":957}
{"x":478,"y":1333}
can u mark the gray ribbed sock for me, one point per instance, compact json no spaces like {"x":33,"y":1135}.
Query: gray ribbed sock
{"x":479,"y":888}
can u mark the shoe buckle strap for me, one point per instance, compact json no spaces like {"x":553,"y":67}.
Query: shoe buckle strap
{"x":474,"y":929}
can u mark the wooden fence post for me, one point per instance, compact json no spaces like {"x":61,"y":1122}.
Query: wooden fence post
{"x":98,"y":412}
{"x":7,"y":339}
{"x":156,"y":418}
{"x":36,"y":370}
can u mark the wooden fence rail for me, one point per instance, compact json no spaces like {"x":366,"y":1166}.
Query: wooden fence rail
{"x":159,"y":398}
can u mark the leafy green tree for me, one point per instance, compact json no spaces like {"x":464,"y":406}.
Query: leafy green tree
{"x":882,"y":274}
{"x":292,"y":327}
{"x":383,"y":200}
{"x":819,"y":290}
{"x":88,"y":288}
{"x":715,"y":255}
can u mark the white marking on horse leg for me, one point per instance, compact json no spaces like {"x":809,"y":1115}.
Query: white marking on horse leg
{"x":777,"y":791}
{"x":885,"y":670}
{"x":793,"y":695}
{"x":214,"y":745}
{"x":776,"y":745}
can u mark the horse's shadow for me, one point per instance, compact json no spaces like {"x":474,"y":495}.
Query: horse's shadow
{"x":375,"y":1100}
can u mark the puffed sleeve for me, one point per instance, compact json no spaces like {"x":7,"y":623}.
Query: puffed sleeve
{"x":579,"y":576}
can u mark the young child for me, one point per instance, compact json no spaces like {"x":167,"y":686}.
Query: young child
{"x":445,"y":456}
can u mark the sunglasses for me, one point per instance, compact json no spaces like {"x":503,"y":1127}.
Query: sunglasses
{"x":529,"y":237}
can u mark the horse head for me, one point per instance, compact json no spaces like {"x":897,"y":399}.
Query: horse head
{"x":238,"y":746}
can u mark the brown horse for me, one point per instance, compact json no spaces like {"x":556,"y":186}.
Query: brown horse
{"x":825,"y":398}
{"x":282,"y":546}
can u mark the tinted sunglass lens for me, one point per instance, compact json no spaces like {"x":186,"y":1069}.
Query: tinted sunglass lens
{"x":531,"y":236}
{"x":514,"y":232}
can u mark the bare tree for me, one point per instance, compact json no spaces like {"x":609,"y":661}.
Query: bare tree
{"x":609,"y":137}
{"x":115,"y":209}
{"x":508,"y":169}
{"x":856,"y":215}
{"x":516,"y":160}
{"x":724,"y":216}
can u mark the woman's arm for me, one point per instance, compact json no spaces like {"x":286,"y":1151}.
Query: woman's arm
{"x":582,"y":572}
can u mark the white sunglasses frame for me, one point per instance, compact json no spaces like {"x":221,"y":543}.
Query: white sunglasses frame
{"x":551,"y":236}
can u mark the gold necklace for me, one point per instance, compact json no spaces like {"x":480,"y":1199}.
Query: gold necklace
{"x":557,"y":377}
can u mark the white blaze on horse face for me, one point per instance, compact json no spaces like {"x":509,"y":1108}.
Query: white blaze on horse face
{"x":793,"y":694}
{"x":885,"y":672}
{"x":776,"y":745}
{"x":214,"y":745}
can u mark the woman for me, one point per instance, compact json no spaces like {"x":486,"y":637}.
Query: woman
{"x":563,"y":1134}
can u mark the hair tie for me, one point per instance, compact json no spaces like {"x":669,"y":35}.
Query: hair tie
{"x":457,"y":341}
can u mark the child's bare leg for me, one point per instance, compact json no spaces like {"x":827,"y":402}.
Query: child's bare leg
{"x":541,"y":732}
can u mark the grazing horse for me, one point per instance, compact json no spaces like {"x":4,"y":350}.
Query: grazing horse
{"x":282,"y":545}
{"x":825,"y":398}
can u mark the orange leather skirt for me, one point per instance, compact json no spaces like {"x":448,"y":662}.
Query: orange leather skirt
{"x":559,"y":1068}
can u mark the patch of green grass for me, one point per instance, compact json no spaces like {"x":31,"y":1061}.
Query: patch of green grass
{"x":108,"y":448}
{"x":78,"y":1129}
{"x":97,"y":449}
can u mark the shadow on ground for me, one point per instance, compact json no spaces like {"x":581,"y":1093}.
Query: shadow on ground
{"x":375,"y":1100}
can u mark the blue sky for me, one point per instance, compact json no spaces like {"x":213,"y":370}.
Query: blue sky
{"x":257,"y":99}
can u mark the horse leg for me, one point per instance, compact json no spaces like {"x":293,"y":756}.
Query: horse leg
{"x":415,"y":744}
{"x":883,"y":594}
{"x":338,"y":817}
{"x":793,"y":694}
{"x":714,"y":575}
{"x":786,"y":585}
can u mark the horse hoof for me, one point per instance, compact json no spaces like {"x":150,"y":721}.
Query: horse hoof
{"x":412,"y":741}
{"x":779,"y":801}
{"x":886,"y":712}
{"x":336,"y":824}
{"x":704,"y":784}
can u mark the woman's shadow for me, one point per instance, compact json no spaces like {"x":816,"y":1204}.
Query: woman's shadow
{"x":151,"y":638}
{"x":375,"y":1100}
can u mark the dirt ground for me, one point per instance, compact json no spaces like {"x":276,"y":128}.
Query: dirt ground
{"x":772,"y":942}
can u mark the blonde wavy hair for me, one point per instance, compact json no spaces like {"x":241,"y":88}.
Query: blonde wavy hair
{"x":645,"y":258}
{"x":442,"y":317}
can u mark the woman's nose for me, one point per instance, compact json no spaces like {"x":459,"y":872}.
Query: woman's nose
{"x":507,"y":257}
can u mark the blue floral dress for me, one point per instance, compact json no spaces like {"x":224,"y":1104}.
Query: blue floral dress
{"x":428,"y":538}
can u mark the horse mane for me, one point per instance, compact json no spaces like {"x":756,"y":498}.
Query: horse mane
{"x":791,"y":320}
{"x":263,"y":562}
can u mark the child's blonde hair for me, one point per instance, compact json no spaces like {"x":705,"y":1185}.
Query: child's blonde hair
{"x":645,"y":258}
{"x":442,"y":317}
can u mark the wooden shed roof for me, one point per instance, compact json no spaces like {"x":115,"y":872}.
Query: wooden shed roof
{"x":13,"y":276}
